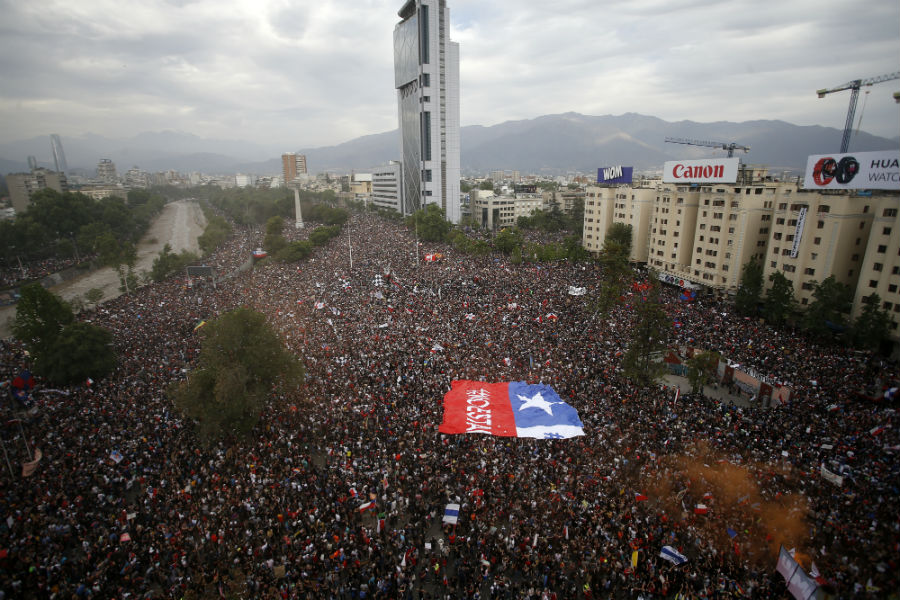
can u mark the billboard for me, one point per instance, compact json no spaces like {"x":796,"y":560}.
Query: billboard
{"x":617,"y":174}
{"x":853,"y":171}
{"x":707,"y":170}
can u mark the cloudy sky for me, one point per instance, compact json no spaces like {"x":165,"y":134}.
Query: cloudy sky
{"x":291,"y":74}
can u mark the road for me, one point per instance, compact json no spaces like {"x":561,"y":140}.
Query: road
{"x":179,"y":225}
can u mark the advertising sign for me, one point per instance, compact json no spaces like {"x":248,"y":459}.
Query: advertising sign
{"x":798,"y":232}
{"x":617,"y":174}
{"x":708,"y":170}
{"x":854,"y":171}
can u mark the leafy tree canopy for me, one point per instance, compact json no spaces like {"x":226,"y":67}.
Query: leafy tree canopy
{"x":750,"y":289}
{"x":430,"y":223}
{"x":243,"y":365}
{"x":40,"y":316}
{"x":871,"y":327}
{"x":779,"y":303}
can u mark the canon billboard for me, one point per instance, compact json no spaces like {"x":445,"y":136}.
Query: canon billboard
{"x":854,"y":171}
{"x":614,"y":174}
{"x":710,"y":170}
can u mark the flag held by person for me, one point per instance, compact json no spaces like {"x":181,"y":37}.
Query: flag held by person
{"x":513,"y":409}
{"x":451,"y":514}
{"x":672,"y":555}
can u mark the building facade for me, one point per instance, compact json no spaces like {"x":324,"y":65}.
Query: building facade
{"x":293,"y":166}
{"x":387,"y":186}
{"x":495,"y":212}
{"x":23,"y":185}
{"x":426,"y":77}
{"x":879,"y":272}
{"x":106,"y":171}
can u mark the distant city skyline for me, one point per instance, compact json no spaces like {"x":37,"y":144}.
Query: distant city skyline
{"x":311,"y":74}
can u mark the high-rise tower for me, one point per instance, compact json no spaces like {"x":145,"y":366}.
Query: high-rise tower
{"x":59,"y":157}
{"x":293,"y":165}
{"x":426,"y":76}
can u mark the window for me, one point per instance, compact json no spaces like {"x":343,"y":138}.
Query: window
{"x":886,"y":231}
{"x":855,"y":257}
{"x":782,"y":206}
{"x":788,"y":268}
{"x":773,"y":264}
{"x":892,"y":288}
{"x":895,"y":271}
{"x":873,"y":283}
{"x":426,"y":175}
{"x":820,"y":225}
{"x":882,"y":249}
{"x":824,"y":208}
{"x":809,"y":271}
{"x":813,"y":256}
{"x":890,"y":212}
{"x":877,"y":267}
{"x":779,"y":221}
{"x":804,"y":300}
{"x":817,"y":241}
{"x":807,"y":285}
{"x":887,"y":305}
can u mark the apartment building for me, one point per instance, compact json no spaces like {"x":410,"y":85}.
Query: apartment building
{"x":632,"y":205}
{"x":23,"y":185}
{"x":495,"y":212}
{"x":879,"y":271}
{"x":818,"y":234}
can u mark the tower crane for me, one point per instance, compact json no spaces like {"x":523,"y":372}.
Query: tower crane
{"x":723,"y":145}
{"x":854,"y":86}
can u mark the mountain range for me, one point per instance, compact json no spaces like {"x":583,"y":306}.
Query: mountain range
{"x":551,"y":144}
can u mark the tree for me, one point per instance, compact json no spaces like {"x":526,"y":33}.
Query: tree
{"x":616,"y":270}
{"x":642,"y":361}
{"x":779,"y":302}
{"x":827,"y":312}
{"x":40,"y":316}
{"x":274,"y":225}
{"x":749,"y":292}
{"x":487,"y":184}
{"x":430,"y":224}
{"x":80,"y":351}
{"x":871,"y":327}
{"x":93,"y":295}
{"x":507,"y":240}
{"x":702,"y":369}
{"x":618,"y":240}
{"x":243,"y":365}
{"x":576,"y":218}
{"x":274,"y":243}
{"x":295,"y":251}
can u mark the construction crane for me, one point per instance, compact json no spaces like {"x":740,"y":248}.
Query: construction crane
{"x":854,"y":86}
{"x":723,"y":145}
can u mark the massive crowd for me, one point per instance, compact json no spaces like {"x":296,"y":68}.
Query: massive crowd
{"x":126,"y":503}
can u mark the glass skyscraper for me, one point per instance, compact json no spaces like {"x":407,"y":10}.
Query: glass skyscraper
{"x":426,"y":75}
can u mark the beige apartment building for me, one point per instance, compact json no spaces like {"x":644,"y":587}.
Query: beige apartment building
{"x":880,"y":269}
{"x":705,"y":233}
{"x":816,"y":234}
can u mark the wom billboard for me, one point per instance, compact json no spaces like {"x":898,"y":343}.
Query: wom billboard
{"x":854,"y":171}
{"x":614,"y":174}
{"x":718,"y":170}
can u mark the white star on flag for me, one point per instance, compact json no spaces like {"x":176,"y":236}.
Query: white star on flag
{"x":537,"y":401}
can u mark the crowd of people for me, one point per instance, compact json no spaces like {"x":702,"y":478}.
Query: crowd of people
{"x":341,"y":489}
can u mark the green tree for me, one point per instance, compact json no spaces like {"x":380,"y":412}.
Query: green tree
{"x":168,"y":262}
{"x":576,"y":218}
{"x":702,"y":368}
{"x":93,"y":295}
{"x":40,"y":316}
{"x":80,"y":351}
{"x":779,"y":303}
{"x":831,"y":303}
{"x":295,"y":251}
{"x":274,"y":243}
{"x":243,"y":365}
{"x":642,"y":362}
{"x":749,"y":292}
{"x":507,"y":240}
{"x":429,"y":223}
{"x":871,"y":327}
{"x":274,"y":225}
{"x":487,"y":184}
{"x":618,"y":240}
{"x":616,"y":269}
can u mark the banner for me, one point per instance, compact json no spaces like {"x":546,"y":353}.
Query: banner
{"x":672,"y":555}
{"x":832,"y":477}
{"x":798,"y":232}
{"x":617,"y":174}
{"x":29,"y":467}
{"x":854,"y":171}
{"x":720,"y":170}
{"x":800,"y":585}
{"x":514,"y":409}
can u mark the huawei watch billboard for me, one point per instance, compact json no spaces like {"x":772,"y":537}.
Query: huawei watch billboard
{"x":853,"y":171}
{"x":712,"y":170}
{"x":617,"y":174}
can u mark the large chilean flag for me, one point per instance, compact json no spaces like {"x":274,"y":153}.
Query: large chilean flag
{"x":514,"y":409}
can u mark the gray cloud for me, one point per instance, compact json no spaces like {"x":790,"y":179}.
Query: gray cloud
{"x":289,"y":74}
